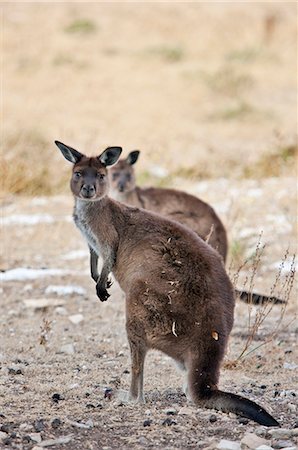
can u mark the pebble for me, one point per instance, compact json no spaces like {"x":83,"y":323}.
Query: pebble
{"x":35,"y":437}
{"x":39,"y":425}
{"x":68,"y":349}
{"x":280,"y":433}
{"x":170,"y":412}
{"x":212,"y":418}
{"x":147,"y":423}
{"x":61,"y":311}
{"x":76,"y":318}
{"x":169,"y":422}
{"x":25,"y":427}
{"x":283,"y":444}
{"x":57,"y":397}
{"x":264,"y":447}
{"x":3,"y":435}
{"x":56,"y":423}
{"x":224,"y":444}
{"x":252,"y":441}
{"x":185,"y":410}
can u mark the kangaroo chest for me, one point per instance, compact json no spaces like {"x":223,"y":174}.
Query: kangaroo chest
{"x":83,"y":223}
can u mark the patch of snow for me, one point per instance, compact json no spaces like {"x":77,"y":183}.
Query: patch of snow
{"x":22,"y":273}
{"x":290,"y":366}
{"x":75,"y":254}
{"x":32,"y":219}
{"x":65,"y":290}
{"x":287,"y":266}
{"x":27,"y":219}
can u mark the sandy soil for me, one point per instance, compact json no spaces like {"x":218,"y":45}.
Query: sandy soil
{"x":32,"y":373}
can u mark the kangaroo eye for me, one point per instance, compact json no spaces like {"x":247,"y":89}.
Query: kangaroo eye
{"x":78,"y":174}
{"x":101,"y":176}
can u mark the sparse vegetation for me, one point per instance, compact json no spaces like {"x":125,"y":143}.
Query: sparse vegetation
{"x":81,"y":26}
{"x":167,"y":53}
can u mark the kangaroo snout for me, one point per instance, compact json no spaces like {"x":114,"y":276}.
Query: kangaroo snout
{"x":121,"y":186}
{"x":88,"y":191}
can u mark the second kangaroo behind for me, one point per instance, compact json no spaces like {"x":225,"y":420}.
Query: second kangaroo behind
{"x":175,"y":205}
{"x":179,"y":299}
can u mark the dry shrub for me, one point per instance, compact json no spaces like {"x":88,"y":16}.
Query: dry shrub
{"x":281,"y":288}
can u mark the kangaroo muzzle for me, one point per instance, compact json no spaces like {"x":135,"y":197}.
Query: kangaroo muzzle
{"x":88,"y":191}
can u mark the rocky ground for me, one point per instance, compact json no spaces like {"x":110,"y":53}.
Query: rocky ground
{"x":64,"y":358}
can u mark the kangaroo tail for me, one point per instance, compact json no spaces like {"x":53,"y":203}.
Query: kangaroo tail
{"x":228,"y":402}
{"x":258,"y":299}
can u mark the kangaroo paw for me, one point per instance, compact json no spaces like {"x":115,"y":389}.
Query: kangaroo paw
{"x":102,"y":293}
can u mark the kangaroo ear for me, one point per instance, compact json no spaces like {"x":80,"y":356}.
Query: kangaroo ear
{"x":69,"y":153}
{"x":133,"y":157}
{"x":110,"y":156}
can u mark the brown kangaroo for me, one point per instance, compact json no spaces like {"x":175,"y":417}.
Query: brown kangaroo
{"x":178,"y":296}
{"x":175,"y":205}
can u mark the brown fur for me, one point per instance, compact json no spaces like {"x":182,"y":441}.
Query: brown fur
{"x":179,"y":206}
{"x":173,"y":204}
{"x":179,"y":298}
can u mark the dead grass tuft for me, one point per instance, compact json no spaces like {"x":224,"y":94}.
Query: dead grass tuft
{"x":281,"y":288}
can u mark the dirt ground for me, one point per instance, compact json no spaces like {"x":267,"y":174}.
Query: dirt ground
{"x":208,"y":93}
{"x":31,"y":372}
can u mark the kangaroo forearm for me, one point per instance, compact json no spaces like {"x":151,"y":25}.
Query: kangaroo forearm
{"x":93,"y":265}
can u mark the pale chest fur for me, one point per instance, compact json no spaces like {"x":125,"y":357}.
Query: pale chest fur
{"x":82,"y":221}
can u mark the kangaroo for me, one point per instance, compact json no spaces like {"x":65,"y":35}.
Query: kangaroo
{"x":176,"y":205}
{"x":179,"y":299}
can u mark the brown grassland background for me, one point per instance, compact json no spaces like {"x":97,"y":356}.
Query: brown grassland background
{"x":208,"y":93}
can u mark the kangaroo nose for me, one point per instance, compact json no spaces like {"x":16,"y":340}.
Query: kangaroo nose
{"x":121,"y":186}
{"x":88,"y":190}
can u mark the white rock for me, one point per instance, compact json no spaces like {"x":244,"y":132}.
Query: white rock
{"x":68,"y":349}
{"x":3,"y":435}
{"x":60,"y":440}
{"x":35,"y":437}
{"x":290,"y":366}
{"x":76,"y":318}
{"x":283,"y":433}
{"x":185,"y":410}
{"x":38,"y":303}
{"x":224,"y":444}
{"x":252,"y":441}
{"x":65,"y":290}
{"x":264,"y":447}
{"x":25,"y":427}
{"x":61,"y":311}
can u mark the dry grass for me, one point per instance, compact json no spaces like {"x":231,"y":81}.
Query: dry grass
{"x":159,"y":78}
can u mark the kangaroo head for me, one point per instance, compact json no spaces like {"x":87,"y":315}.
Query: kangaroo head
{"x":122,"y":175}
{"x":89,"y":179}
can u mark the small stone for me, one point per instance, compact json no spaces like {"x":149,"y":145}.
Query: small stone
{"x":280,"y":433}
{"x":147,"y":423}
{"x":37,"y":447}
{"x":264,"y":447}
{"x":108,"y":393}
{"x":170,"y":412}
{"x":212,"y":418}
{"x":169,"y":422}
{"x":243,"y":420}
{"x":143,"y":441}
{"x":283,"y":444}
{"x":13,"y":371}
{"x":290,"y":366}
{"x":68,"y":349}
{"x":3,"y":435}
{"x":185,"y":410}
{"x":56,"y":423}
{"x":76,"y":318}
{"x":25,"y":427}
{"x":35,"y":437}
{"x":252,"y":441}
{"x":292,"y":408}
{"x":263,"y":386}
{"x":57,"y":397}
{"x":224,"y":444}
{"x":61,"y":311}
{"x":39,"y":425}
